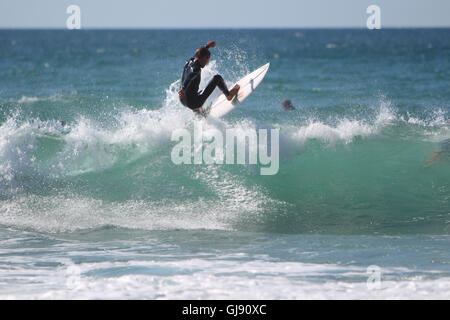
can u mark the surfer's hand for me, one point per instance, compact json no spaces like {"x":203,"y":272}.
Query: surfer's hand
{"x":181,"y":93}
{"x":210,"y":44}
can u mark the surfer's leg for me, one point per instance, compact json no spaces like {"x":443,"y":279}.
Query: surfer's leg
{"x":233,"y":92}
{"x":221,"y":84}
{"x":192,"y":101}
{"x":216,"y":81}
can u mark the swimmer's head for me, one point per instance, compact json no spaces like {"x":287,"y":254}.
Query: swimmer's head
{"x":286,"y":104}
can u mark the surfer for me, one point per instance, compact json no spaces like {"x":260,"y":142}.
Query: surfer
{"x":190,"y":80}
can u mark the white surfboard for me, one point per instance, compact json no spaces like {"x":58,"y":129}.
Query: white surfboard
{"x":221,"y":106}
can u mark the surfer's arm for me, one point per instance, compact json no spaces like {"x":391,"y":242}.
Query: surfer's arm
{"x":433,"y":157}
{"x":181,"y":93}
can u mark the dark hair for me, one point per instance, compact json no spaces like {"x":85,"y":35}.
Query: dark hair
{"x":202,"y":52}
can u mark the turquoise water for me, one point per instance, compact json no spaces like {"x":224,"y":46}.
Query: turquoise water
{"x":97,"y":209}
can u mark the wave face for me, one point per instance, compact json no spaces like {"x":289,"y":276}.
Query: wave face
{"x":353,"y":155}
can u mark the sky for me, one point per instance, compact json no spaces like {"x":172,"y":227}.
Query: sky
{"x":223,"y":14}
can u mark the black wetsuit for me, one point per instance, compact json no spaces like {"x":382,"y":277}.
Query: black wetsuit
{"x":190,"y":82}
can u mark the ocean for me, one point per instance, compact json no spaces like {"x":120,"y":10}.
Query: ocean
{"x":94,"y":208}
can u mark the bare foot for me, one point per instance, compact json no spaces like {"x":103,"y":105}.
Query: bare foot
{"x":233,"y":92}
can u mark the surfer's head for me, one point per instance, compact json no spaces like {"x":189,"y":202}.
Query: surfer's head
{"x":202,"y":54}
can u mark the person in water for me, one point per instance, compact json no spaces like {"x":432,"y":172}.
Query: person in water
{"x":190,"y":81}
{"x":444,"y":153}
{"x":286,"y":104}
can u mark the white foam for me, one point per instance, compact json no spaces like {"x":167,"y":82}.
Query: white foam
{"x":222,"y":277}
{"x":344,"y":132}
{"x":27,"y":99}
{"x":17,"y":143}
{"x":71,"y":213}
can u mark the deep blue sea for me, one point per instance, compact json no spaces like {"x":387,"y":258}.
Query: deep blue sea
{"x":96,"y":208}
